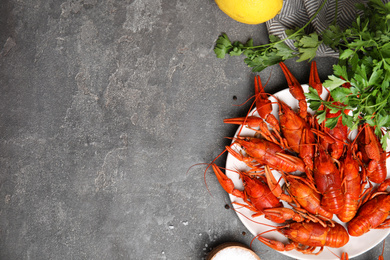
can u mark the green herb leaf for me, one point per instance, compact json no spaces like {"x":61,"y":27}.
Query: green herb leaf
{"x":223,"y":46}
{"x":346,"y":54}
{"x":331,"y":122}
{"x":341,"y":94}
{"x":321,"y":116}
{"x":333,"y":82}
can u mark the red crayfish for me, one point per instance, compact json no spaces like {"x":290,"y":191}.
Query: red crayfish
{"x":324,"y":173}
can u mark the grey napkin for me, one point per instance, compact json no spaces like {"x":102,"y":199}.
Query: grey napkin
{"x":296,"y":13}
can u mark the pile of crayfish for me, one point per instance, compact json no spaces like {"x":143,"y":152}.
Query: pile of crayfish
{"x":325,"y":172}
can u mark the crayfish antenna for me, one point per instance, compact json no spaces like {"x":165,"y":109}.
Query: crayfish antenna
{"x":344,"y":255}
{"x":208,"y":165}
{"x":251,"y":219}
{"x":383,"y":250}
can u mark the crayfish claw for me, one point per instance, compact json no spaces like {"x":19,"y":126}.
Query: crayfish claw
{"x":250,"y":121}
{"x":226,"y":183}
{"x":264,"y":105}
{"x":314,"y":79}
{"x":283,"y":214}
{"x":344,"y":256}
{"x":276,"y":245}
{"x":296,"y":90}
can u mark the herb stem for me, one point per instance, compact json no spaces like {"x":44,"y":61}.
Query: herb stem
{"x":335,"y":15}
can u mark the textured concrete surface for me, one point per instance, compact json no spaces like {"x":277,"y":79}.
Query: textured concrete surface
{"x":104,"y":107}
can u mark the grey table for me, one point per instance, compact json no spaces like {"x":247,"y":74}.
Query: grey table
{"x":104,"y":107}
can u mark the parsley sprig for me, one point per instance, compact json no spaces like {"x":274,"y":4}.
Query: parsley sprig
{"x":364,"y":63}
{"x":261,"y":56}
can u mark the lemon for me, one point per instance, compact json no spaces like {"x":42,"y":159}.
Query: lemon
{"x":250,"y":11}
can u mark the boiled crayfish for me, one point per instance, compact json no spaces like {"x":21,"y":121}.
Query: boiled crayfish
{"x":373,"y":214}
{"x":306,"y":237}
{"x":324,"y":173}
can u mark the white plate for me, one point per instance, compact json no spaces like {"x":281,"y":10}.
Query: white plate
{"x":355,"y":246}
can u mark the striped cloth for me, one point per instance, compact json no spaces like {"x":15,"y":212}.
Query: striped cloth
{"x":296,"y":13}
